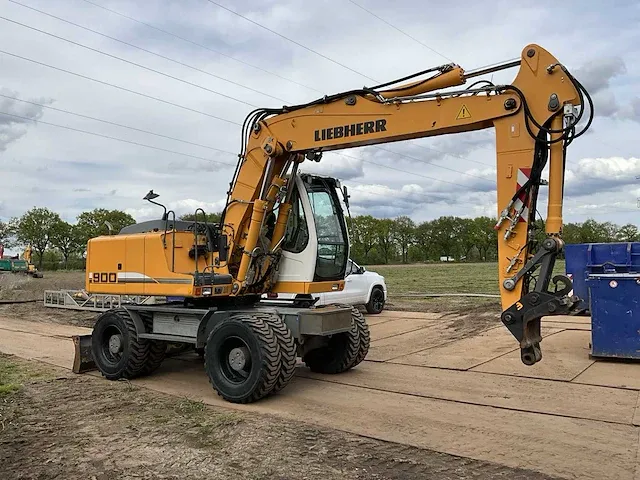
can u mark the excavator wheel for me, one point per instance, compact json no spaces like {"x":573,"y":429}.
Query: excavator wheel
{"x":288,"y":350}
{"x":116,"y":349}
{"x":344,"y":351}
{"x":157,"y":350}
{"x":242,"y":358}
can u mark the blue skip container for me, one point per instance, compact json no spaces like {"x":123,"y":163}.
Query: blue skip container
{"x":615,"y":315}
{"x":584,"y":259}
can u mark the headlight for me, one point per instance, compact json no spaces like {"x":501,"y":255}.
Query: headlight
{"x":206,"y":291}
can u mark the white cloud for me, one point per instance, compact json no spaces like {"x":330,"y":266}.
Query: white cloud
{"x":15,"y":116}
{"x":601,"y":174}
{"x":180,"y":207}
{"x":448,"y":175}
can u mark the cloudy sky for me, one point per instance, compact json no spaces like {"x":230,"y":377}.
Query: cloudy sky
{"x":224,"y":65}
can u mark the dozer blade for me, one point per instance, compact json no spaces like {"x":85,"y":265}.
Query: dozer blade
{"x":83,"y":358}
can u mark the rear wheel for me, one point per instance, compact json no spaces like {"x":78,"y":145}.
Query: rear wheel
{"x":157,"y":348}
{"x":242,"y":358}
{"x":288,"y":350}
{"x":344,"y":350}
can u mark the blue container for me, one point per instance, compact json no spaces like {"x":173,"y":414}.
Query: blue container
{"x":615,"y":315}
{"x":584,"y":259}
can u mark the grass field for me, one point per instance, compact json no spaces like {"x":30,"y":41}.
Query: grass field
{"x":406,"y":282}
{"x":443,"y":278}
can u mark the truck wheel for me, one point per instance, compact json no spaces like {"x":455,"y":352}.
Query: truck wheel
{"x":376,"y":301}
{"x":116,"y":349}
{"x":288,"y":350}
{"x":242,"y":358}
{"x":344,"y":351}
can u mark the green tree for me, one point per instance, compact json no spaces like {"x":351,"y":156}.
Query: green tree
{"x":6,"y":234}
{"x":628,"y":233}
{"x":67,"y":239}
{"x":403,"y":233}
{"x":571,"y":232}
{"x":446,"y":236}
{"x":96,"y":222}
{"x":364,"y":234}
{"x":611,"y":231}
{"x":36,"y":228}
{"x":592,"y":231}
{"x":424,"y":239}
{"x":384,"y":235}
{"x":485,"y":238}
{"x":467,"y":238}
{"x":211,"y":217}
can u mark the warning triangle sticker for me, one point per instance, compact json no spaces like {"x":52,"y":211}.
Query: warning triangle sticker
{"x":463,"y":113}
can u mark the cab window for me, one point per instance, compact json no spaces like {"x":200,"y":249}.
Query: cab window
{"x":332,"y":248}
{"x":297,"y":234}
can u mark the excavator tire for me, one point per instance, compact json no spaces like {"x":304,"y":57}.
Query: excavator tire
{"x":157,"y":350}
{"x":155,"y":357}
{"x":288,"y":350}
{"x":117,"y":351}
{"x":242,"y":358}
{"x":344,"y":351}
{"x":365,"y":337}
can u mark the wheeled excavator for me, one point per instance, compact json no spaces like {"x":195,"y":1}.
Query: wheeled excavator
{"x":284,"y":231}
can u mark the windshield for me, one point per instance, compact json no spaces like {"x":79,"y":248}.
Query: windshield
{"x":331,"y":231}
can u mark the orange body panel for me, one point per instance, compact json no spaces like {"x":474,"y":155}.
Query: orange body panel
{"x":140,"y":264}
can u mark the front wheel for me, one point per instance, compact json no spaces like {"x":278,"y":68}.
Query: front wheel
{"x":242,"y":358}
{"x":376,"y":301}
{"x":116,"y":349}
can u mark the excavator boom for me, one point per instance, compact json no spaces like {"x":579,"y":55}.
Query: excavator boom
{"x":534,"y":119}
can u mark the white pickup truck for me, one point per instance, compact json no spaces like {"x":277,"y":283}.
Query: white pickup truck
{"x":361,"y":287}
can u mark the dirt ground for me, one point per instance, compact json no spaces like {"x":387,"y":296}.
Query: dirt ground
{"x":54,"y":425}
{"x":23,"y":288}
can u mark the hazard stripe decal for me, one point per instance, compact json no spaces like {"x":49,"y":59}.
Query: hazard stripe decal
{"x":523,"y":176}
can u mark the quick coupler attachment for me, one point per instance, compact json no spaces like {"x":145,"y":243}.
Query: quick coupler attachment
{"x":523,"y":320}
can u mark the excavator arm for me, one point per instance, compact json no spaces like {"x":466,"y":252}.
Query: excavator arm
{"x":534,"y":119}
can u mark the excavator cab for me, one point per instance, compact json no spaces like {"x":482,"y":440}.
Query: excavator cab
{"x":316,"y":241}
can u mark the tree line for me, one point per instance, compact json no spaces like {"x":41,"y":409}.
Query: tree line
{"x":55,"y":242}
{"x":59,"y":244}
{"x":401,"y":240}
